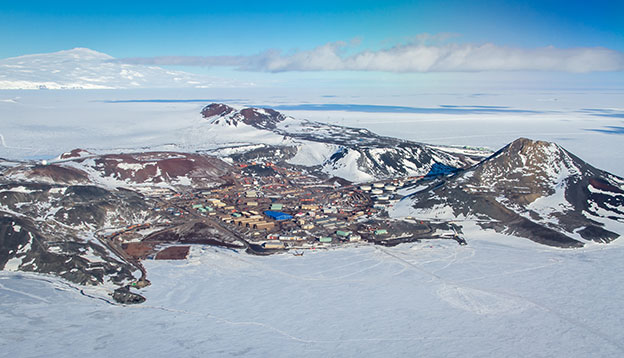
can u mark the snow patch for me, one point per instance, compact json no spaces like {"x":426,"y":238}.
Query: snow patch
{"x":130,"y":166}
{"x":313,"y":153}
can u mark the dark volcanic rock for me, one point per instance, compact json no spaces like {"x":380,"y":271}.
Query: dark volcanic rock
{"x":76,"y":153}
{"x":260,"y":170}
{"x":157,"y":167}
{"x":216,"y":109}
{"x":263,"y":118}
{"x":263,"y":153}
{"x":88,"y":204}
{"x":55,"y":230}
{"x":123,"y":295}
{"x":33,"y":251}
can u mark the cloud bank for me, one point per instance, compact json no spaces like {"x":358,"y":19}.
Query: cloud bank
{"x":412,"y":57}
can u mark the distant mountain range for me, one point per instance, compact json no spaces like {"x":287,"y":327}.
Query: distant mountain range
{"x":82,"y":68}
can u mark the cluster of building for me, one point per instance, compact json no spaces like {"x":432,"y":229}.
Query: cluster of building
{"x":278,"y":207}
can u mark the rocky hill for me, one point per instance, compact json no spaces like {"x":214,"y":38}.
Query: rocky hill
{"x":166,"y":169}
{"x":51,"y":229}
{"x":261,"y":118}
{"x":354,"y":154}
{"x":52,"y":215}
{"x":532,"y":189}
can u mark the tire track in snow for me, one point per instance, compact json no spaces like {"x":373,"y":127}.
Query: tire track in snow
{"x":307,"y":278}
{"x":300,"y":339}
{"x":560,"y":315}
{"x":3,"y":144}
{"x":3,"y":287}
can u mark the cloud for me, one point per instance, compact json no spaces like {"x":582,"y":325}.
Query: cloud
{"x":418,"y":56}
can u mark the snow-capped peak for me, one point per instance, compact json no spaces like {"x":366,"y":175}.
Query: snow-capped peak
{"x":88,"y":69}
{"x":77,"y":53}
{"x":81,"y":53}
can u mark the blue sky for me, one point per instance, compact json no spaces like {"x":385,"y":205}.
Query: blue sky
{"x":156,"y":28}
{"x":262,"y":40}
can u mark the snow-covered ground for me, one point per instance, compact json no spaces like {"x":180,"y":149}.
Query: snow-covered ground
{"x":42,"y":124}
{"x":498,"y":296}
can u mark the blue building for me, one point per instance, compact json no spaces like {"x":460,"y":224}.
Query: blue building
{"x":277,"y":215}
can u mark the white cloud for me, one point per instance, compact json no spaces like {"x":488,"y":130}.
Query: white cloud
{"x":412,"y":57}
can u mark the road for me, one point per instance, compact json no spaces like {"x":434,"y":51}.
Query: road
{"x":109,"y":242}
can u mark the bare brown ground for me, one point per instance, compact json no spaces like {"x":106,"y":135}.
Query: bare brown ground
{"x":173,"y":253}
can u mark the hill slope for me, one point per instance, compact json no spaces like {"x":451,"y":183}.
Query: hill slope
{"x":354,"y":154}
{"x":532,"y":189}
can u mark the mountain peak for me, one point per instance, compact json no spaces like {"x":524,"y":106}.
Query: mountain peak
{"x":216,"y":109}
{"x":533,"y":189}
{"x":261,"y":118}
{"x":85,"y":68}
{"x":75,"y":153}
{"x":526,"y":146}
{"x":77,"y":53}
{"x":522,"y":156}
{"x":82,"y":52}
{"x":529,"y":142}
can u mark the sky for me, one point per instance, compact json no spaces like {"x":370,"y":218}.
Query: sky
{"x":393,"y":40}
{"x":157,"y":28}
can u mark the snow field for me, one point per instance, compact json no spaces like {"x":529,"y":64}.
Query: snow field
{"x":491,"y":298}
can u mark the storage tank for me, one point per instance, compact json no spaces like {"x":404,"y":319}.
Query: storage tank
{"x":390,"y":187}
{"x":365,"y":187}
{"x":377,"y":192}
{"x":378,"y":185}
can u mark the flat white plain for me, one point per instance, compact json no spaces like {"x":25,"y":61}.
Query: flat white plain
{"x":498,"y":296}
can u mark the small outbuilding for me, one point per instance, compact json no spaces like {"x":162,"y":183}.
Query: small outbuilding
{"x":355,"y":237}
{"x":273,"y":245}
